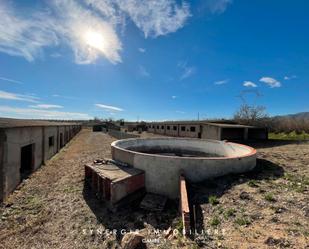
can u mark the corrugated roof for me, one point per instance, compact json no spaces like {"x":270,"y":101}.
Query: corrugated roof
{"x":11,"y":123}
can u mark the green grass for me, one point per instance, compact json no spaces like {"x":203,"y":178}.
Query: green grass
{"x":215,"y":221}
{"x":213,"y":200}
{"x":299,"y":183}
{"x":242,"y":221}
{"x":289,"y":136}
{"x":179,"y":226}
{"x":229,"y":213}
{"x":269,"y":197}
{"x":252,"y":184}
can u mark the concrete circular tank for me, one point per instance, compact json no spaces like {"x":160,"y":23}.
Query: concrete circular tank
{"x":163,"y":159}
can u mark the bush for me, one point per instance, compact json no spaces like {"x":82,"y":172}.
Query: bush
{"x":213,"y":200}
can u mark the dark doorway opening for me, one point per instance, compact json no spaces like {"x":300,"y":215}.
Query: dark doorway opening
{"x":61,"y":140}
{"x":26,"y":161}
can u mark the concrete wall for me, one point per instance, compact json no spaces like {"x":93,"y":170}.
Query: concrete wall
{"x":189,"y":130}
{"x":15,"y":139}
{"x":2,"y":139}
{"x":211,"y":132}
{"x":50,"y":150}
{"x":161,"y":172}
{"x":171,"y":130}
{"x":121,"y":135}
{"x":61,"y":140}
{"x":11,"y":142}
{"x":151,"y":128}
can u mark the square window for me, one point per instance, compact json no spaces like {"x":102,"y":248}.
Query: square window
{"x":51,"y":141}
{"x":192,"y":128}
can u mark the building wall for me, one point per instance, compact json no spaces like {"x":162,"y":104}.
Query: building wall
{"x":11,"y":142}
{"x":191,"y":130}
{"x":2,"y":138}
{"x":151,"y":128}
{"x":49,"y":151}
{"x":160,"y":129}
{"x":211,"y":132}
{"x":171,"y":130}
{"x":61,"y":131}
{"x":15,"y":139}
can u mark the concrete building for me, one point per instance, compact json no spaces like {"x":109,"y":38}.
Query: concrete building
{"x":25,"y":145}
{"x":207,"y":130}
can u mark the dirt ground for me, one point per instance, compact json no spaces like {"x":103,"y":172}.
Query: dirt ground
{"x":266,"y":208}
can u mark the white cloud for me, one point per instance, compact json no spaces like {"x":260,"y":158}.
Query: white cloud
{"x":180,"y":112}
{"x":156,"y":17}
{"x":216,"y":6}
{"x":14,"y":112}
{"x":142,"y":71}
{"x":221,"y":82}
{"x":10,"y":80}
{"x":109,"y":107}
{"x":272,"y":82}
{"x":187,"y":71}
{"x":249,"y":84}
{"x":89,"y":28}
{"x":18,"y":97}
{"x":174,"y":97}
{"x":46,"y":106}
{"x":142,"y":50}
{"x":55,"y":55}
{"x":290,"y":77}
{"x":63,"y":96}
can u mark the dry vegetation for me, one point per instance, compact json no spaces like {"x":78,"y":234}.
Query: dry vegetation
{"x":265,"y":208}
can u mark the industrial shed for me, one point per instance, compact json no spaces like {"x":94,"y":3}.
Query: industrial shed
{"x":25,"y":145}
{"x":208,"y":130}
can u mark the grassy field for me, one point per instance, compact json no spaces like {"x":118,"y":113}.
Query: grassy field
{"x":289,"y":136}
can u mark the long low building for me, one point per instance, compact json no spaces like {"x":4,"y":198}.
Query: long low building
{"x":208,"y":130}
{"x":25,"y":145}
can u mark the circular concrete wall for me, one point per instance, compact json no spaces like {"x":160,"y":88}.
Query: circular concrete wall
{"x":163,"y":159}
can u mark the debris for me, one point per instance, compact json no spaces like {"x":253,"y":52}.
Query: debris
{"x":153,"y":202}
{"x":244,"y":195}
{"x":132,"y":240}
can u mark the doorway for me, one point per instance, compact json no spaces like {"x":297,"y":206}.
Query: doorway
{"x":26,"y":161}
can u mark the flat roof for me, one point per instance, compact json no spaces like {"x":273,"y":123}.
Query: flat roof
{"x":13,"y":123}
{"x":224,"y":124}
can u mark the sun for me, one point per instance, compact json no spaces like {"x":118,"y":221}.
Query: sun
{"x":94,"y":39}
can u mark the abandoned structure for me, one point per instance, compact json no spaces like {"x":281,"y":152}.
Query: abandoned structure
{"x":25,"y":145}
{"x":163,"y":159}
{"x":208,"y":130}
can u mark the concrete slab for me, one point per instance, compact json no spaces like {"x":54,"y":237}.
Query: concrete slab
{"x":112,"y":182}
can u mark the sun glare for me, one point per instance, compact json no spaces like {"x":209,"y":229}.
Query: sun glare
{"x":95,"y":40}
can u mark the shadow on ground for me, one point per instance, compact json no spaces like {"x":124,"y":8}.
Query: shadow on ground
{"x":199,"y":193}
{"x":129,"y":216}
{"x":273,"y":143}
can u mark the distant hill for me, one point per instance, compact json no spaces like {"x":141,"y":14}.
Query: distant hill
{"x":299,"y":115}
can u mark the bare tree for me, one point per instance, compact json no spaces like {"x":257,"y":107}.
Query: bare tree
{"x":251,"y":115}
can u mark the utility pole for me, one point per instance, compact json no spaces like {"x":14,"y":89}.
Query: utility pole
{"x":198,"y":116}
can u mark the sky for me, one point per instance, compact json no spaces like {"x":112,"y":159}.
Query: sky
{"x":152,"y":60}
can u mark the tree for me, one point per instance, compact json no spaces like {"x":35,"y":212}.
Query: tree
{"x":250,"y":115}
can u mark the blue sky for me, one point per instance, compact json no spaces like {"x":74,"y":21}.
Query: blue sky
{"x":152,"y":60}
